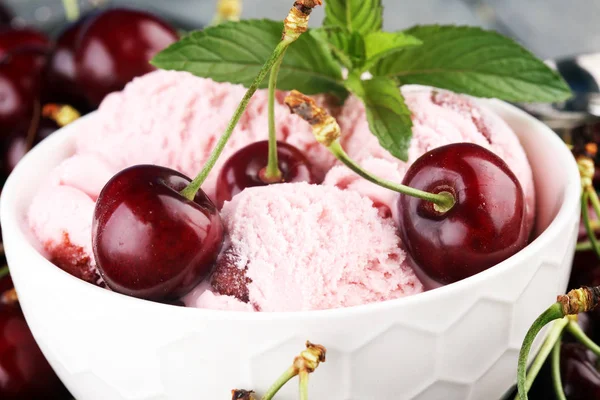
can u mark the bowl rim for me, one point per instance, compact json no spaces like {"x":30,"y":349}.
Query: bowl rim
{"x":12,"y":226}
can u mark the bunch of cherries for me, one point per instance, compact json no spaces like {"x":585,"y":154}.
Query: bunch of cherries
{"x":90,"y":58}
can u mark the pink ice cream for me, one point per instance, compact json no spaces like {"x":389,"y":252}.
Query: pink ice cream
{"x":439,"y":118}
{"x":311,"y":247}
{"x":300,"y":247}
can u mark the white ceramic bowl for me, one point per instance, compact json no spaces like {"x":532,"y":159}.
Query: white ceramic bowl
{"x":457,"y":342}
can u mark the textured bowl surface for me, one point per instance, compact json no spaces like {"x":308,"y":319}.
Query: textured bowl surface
{"x":457,"y":342}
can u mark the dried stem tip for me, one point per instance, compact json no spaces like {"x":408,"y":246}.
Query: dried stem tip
{"x":586,"y":170}
{"x":579,"y":300}
{"x":310,"y":358}
{"x":296,"y":23}
{"x":241,"y":394}
{"x":62,"y":114}
{"x":325,"y":128}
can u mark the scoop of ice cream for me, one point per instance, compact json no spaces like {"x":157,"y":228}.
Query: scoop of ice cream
{"x":174,"y":119}
{"x":439,"y":118}
{"x":308,"y":247}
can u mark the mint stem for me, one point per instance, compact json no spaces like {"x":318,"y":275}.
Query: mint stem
{"x":444,"y":200}
{"x":555,"y":367}
{"x":575,"y":330}
{"x":303,"y":375}
{"x":4,"y":271}
{"x":555,"y":311}
{"x":552,"y":337}
{"x":280,"y":382}
{"x":272,"y":172}
{"x":71,"y":10}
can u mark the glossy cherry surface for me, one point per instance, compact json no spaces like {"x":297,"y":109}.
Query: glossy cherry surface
{"x":116,"y":46}
{"x":148,"y":240}
{"x":61,"y":74}
{"x":243,"y":169}
{"x":485,"y":226}
{"x":580,"y":377}
{"x":24,"y":371}
{"x":18,"y":40}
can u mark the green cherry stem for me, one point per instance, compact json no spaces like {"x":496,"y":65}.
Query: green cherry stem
{"x":327,"y":132}
{"x":303,"y":375}
{"x":280,"y":382}
{"x":555,"y":366}
{"x":71,"y":10}
{"x":552,"y":337}
{"x":584,"y":246}
{"x":585,"y":216}
{"x":575,"y":330}
{"x":295,"y":24}
{"x":552,"y":313}
{"x":272,"y":172}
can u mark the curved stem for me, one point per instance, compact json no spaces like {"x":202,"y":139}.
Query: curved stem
{"x":444,"y":200}
{"x":552,"y":337}
{"x":585,"y":216}
{"x":282,"y":380}
{"x":575,"y":330}
{"x":556,"y":379}
{"x":4,"y":271}
{"x":191,"y":190}
{"x":303,"y":385}
{"x":71,"y":9}
{"x":272,"y":172}
{"x":553,"y":312}
{"x":584,"y":246}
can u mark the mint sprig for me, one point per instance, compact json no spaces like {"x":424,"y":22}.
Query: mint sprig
{"x":235,"y":52}
{"x":362,"y":16}
{"x":473,"y":61}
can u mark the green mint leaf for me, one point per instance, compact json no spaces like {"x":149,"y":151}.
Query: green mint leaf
{"x":383,"y":44}
{"x":476,"y":62}
{"x":388,"y":116}
{"x":235,"y":52}
{"x":348,"y":47}
{"x":362,"y":16}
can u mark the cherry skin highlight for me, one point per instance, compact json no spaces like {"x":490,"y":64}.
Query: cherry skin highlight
{"x":485,"y":226}
{"x":24,"y":371}
{"x":245,"y":169}
{"x":148,"y":240}
{"x":116,"y":46}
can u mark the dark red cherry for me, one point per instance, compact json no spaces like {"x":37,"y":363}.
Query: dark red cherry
{"x":485,"y":226}
{"x":116,"y":46}
{"x":6,"y":16}
{"x":24,"y":371}
{"x":148,"y":240}
{"x":244,"y":169}
{"x":61,"y":75}
{"x":15,"y":41}
{"x":580,"y":377}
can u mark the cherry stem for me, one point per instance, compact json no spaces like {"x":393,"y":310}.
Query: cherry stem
{"x":552,"y":337}
{"x":295,"y":24}
{"x":575,"y":330}
{"x":552,"y":313}
{"x":272,"y":172}
{"x":584,"y":246}
{"x":555,"y":368}
{"x":444,"y":201}
{"x":4,"y":271}
{"x":280,"y":382}
{"x":71,"y":10}
{"x":585,"y":216}
{"x":303,"y":375}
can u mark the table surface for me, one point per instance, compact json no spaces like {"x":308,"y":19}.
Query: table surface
{"x":550,"y":28}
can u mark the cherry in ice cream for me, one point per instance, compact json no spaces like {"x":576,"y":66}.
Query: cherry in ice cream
{"x":486,"y":224}
{"x":246,"y":168}
{"x":116,"y":46}
{"x":149,"y":241}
